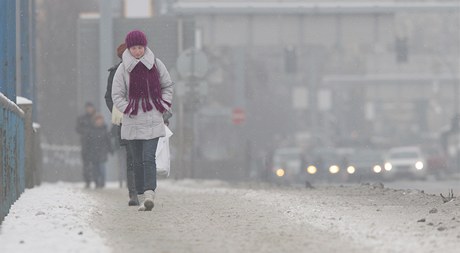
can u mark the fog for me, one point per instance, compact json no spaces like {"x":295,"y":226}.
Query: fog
{"x":323,"y":82}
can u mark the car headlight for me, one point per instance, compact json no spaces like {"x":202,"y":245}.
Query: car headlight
{"x":419,"y":165}
{"x":351,"y":170}
{"x":334,"y":169}
{"x":312,"y":170}
{"x":388,"y":166}
{"x":377,"y":169}
{"x":280,"y":172}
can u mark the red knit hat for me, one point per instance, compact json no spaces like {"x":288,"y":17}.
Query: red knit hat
{"x":135,"y":38}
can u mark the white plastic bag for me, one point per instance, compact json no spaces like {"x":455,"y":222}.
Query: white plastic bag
{"x":162,"y":156}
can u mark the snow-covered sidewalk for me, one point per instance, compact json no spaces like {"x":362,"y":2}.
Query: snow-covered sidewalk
{"x":214,"y":216}
{"x":51,"y":218}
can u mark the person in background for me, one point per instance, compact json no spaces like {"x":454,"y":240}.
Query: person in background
{"x":116,"y":130}
{"x":84,"y":125}
{"x":99,"y":148}
{"x":142,"y":90}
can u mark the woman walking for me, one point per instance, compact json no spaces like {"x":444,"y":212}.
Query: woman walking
{"x":142,"y":90}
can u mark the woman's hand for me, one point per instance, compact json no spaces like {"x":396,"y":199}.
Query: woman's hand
{"x":166,"y":116}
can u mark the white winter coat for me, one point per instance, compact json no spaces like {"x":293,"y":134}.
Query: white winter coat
{"x":144,"y":125}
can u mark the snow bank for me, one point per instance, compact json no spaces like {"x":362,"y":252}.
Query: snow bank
{"x":51,"y":218}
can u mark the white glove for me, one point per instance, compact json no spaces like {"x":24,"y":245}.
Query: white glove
{"x":117,"y":116}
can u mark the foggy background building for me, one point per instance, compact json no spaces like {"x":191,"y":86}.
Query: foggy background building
{"x":301,"y":73}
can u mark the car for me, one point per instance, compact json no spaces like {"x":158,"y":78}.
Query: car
{"x":407,"y":162}
{"x":287,"y":164}
{"x":437,"y":160}
{"x":365,"y":163}
{"x":326,"y":164}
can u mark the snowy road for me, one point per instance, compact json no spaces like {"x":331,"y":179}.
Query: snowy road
{"x":208,"y":216}
{"x":190,"y":219}
{"x":428,"y":186}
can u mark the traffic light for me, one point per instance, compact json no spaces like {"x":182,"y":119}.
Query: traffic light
{"x":402,"y":50}
{"x":290,"y":59}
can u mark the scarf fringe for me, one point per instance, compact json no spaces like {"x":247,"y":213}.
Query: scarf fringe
{"x":145,"y":86}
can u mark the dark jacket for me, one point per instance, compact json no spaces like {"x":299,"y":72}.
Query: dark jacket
{"x":116,"y":130}
{"x":100,"y":144}
{"x":84,"y":125}
{"x":108,"y":92}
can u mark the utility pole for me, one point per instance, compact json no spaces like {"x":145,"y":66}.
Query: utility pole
{"x":192,"y":66}
{"x":32,"y":57}
{"x":312,"y":82}
{"x":192,"y":83}
{"x":240,"y":102}
{"x":105,"y":49}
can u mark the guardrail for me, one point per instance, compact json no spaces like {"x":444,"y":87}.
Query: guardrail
{"x":61,"y":162}
{"x":12,"y":154}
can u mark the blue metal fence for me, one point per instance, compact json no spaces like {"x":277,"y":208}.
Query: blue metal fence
{"x":12,"y":173}
{"x":12,"y":181}
{"x":8,"y":48}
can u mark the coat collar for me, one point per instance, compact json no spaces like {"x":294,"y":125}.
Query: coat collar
{"x":130,"y":62}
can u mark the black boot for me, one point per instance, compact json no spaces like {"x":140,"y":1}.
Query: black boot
{"x":133,"y":200}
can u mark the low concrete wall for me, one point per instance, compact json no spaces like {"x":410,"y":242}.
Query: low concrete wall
{"x":32,"y":166}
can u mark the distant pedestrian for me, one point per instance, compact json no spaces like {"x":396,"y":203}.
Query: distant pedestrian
{"x":142,"y":90}
{"x":84,"y":125}
{"x":99,"y":148}
{"x":116,"y":130}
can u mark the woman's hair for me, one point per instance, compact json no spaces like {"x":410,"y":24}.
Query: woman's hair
{"x":121,"y":49}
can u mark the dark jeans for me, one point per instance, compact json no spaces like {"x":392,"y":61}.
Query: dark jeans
{"x":130,"y":173}
{"x":145,"y":168}
{"x":87,"y":170}
{"x":99,"y":174}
